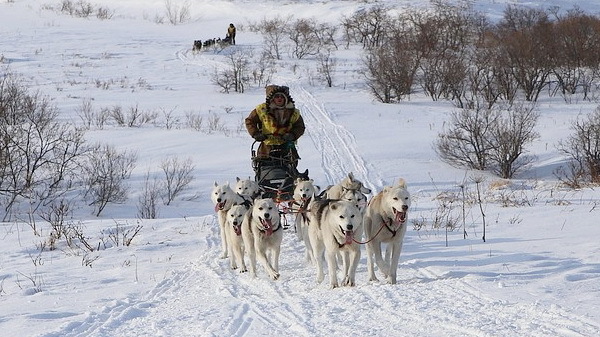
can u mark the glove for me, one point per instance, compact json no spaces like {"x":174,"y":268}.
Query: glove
{"x":259,"y":137}
{"x":288,"y":137}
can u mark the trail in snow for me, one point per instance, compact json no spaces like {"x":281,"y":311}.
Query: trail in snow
{"x":335,"y":143}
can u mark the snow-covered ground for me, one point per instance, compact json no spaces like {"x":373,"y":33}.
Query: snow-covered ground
{"x":537,"y":274}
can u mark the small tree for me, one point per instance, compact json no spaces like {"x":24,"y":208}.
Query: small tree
{"x":105,"y":174}
{"x":147,"y":202}
{"x":489,"y":139}
{"x":514,"y":129}
{"x":583,"y":149}
{"x":178,"y":174}
{"x":465,"y":142}
{"x":39,"y":156}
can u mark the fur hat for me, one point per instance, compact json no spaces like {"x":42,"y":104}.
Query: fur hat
{"x":271,"y":90}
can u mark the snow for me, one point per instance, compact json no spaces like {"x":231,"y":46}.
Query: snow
{"x":537,"y":273}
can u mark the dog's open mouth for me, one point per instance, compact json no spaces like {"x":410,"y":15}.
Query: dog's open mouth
{"x":267,"y":226}
{"x":237,"y":229}
{"x":400,"y":216}
{"x":348,"y":236}
{"x":220,"y":206}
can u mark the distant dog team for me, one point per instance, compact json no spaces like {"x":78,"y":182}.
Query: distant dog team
{"x":331,"y":225}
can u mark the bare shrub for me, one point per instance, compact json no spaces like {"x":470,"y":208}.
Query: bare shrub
{"x":582,"y":149}
{"x":526,"y":36}
{"x":105,"y":174}
{"x":121,"y":235}
{"x":177,"y":14}
{"x":368,"y":27}
{"x":104,"y":13}
{"x":215,"y":123}
{"x":178,"y":175}
{"x":147,"y":202}
{"x":390,"y":69}
{"x":39,"y":156}
{"x":273,"y":33}
{"x":513,"y":130}
{"x":263,"y":70}
{"x":134,"y":117}
{"x":489,"y":139}
{"x":464,"y":143}
{"x":194,"y":120}
{"x":326,"y":67}
{"x":306,"y":41}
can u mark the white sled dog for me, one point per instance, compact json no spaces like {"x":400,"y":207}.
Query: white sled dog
{"x":235,"y":217}
{"x":334,"y":225}
{"x":304,"y":193}
{"x":247,"y":187}
{"x":223,"y":197}
{"x":262,"y":234}
{"x":349,"y":183}
{"x":385,"y":222}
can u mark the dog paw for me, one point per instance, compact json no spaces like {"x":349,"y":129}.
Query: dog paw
{"x":275,"y":276}
{"x":243,"y":270}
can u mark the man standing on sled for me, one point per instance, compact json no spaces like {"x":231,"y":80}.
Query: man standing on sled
{"x":277,"y":124}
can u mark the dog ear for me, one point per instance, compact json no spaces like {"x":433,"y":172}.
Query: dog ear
{"x":237,"y":179}
{"x":216,"y":184}
{"x":402,"y":183}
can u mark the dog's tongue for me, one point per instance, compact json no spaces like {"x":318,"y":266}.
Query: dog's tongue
{"x":219,"y":206}
{"x":268,"y":227}
{"x":400,"y":216}
{"x":349,"y":237}
{"x":238,"y":230}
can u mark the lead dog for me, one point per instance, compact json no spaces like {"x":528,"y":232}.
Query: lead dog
{"x":262,"y":234}
{"x":223,"y":197}
{"x":385,"y":222}
{"x":334,"y":225}
{"x":235,"y":217}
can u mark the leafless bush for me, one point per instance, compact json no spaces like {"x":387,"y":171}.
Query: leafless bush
{"x":513,"y":130}
{"x":263,"y":70}
{"x":177,"y":14}
{"x":134,"y":117}
{"x":582,"y":149}
{"x":304,"y":35}
{"x":104,"y":13}
{"x":147,"y":202}
{"x":273,"y":33}
{"x":239,"y":64}
{"x":464,"y":143}
{"x":390,"y":70}
{"x":194,"y":120}
{"x":326,"y":67}
{"x":171,"y":120}
{"x":178,"y":174}
{"x":121,"y":235}
{"x":526,"y":36}
{"x":215,"y":123}
{"x":105,"y":174}
{"x":39,"y":156}
{"x":368,"y":27}
{"x":489,"y":139}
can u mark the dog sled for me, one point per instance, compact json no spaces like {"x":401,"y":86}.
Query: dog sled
{"x":276,"y":173}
